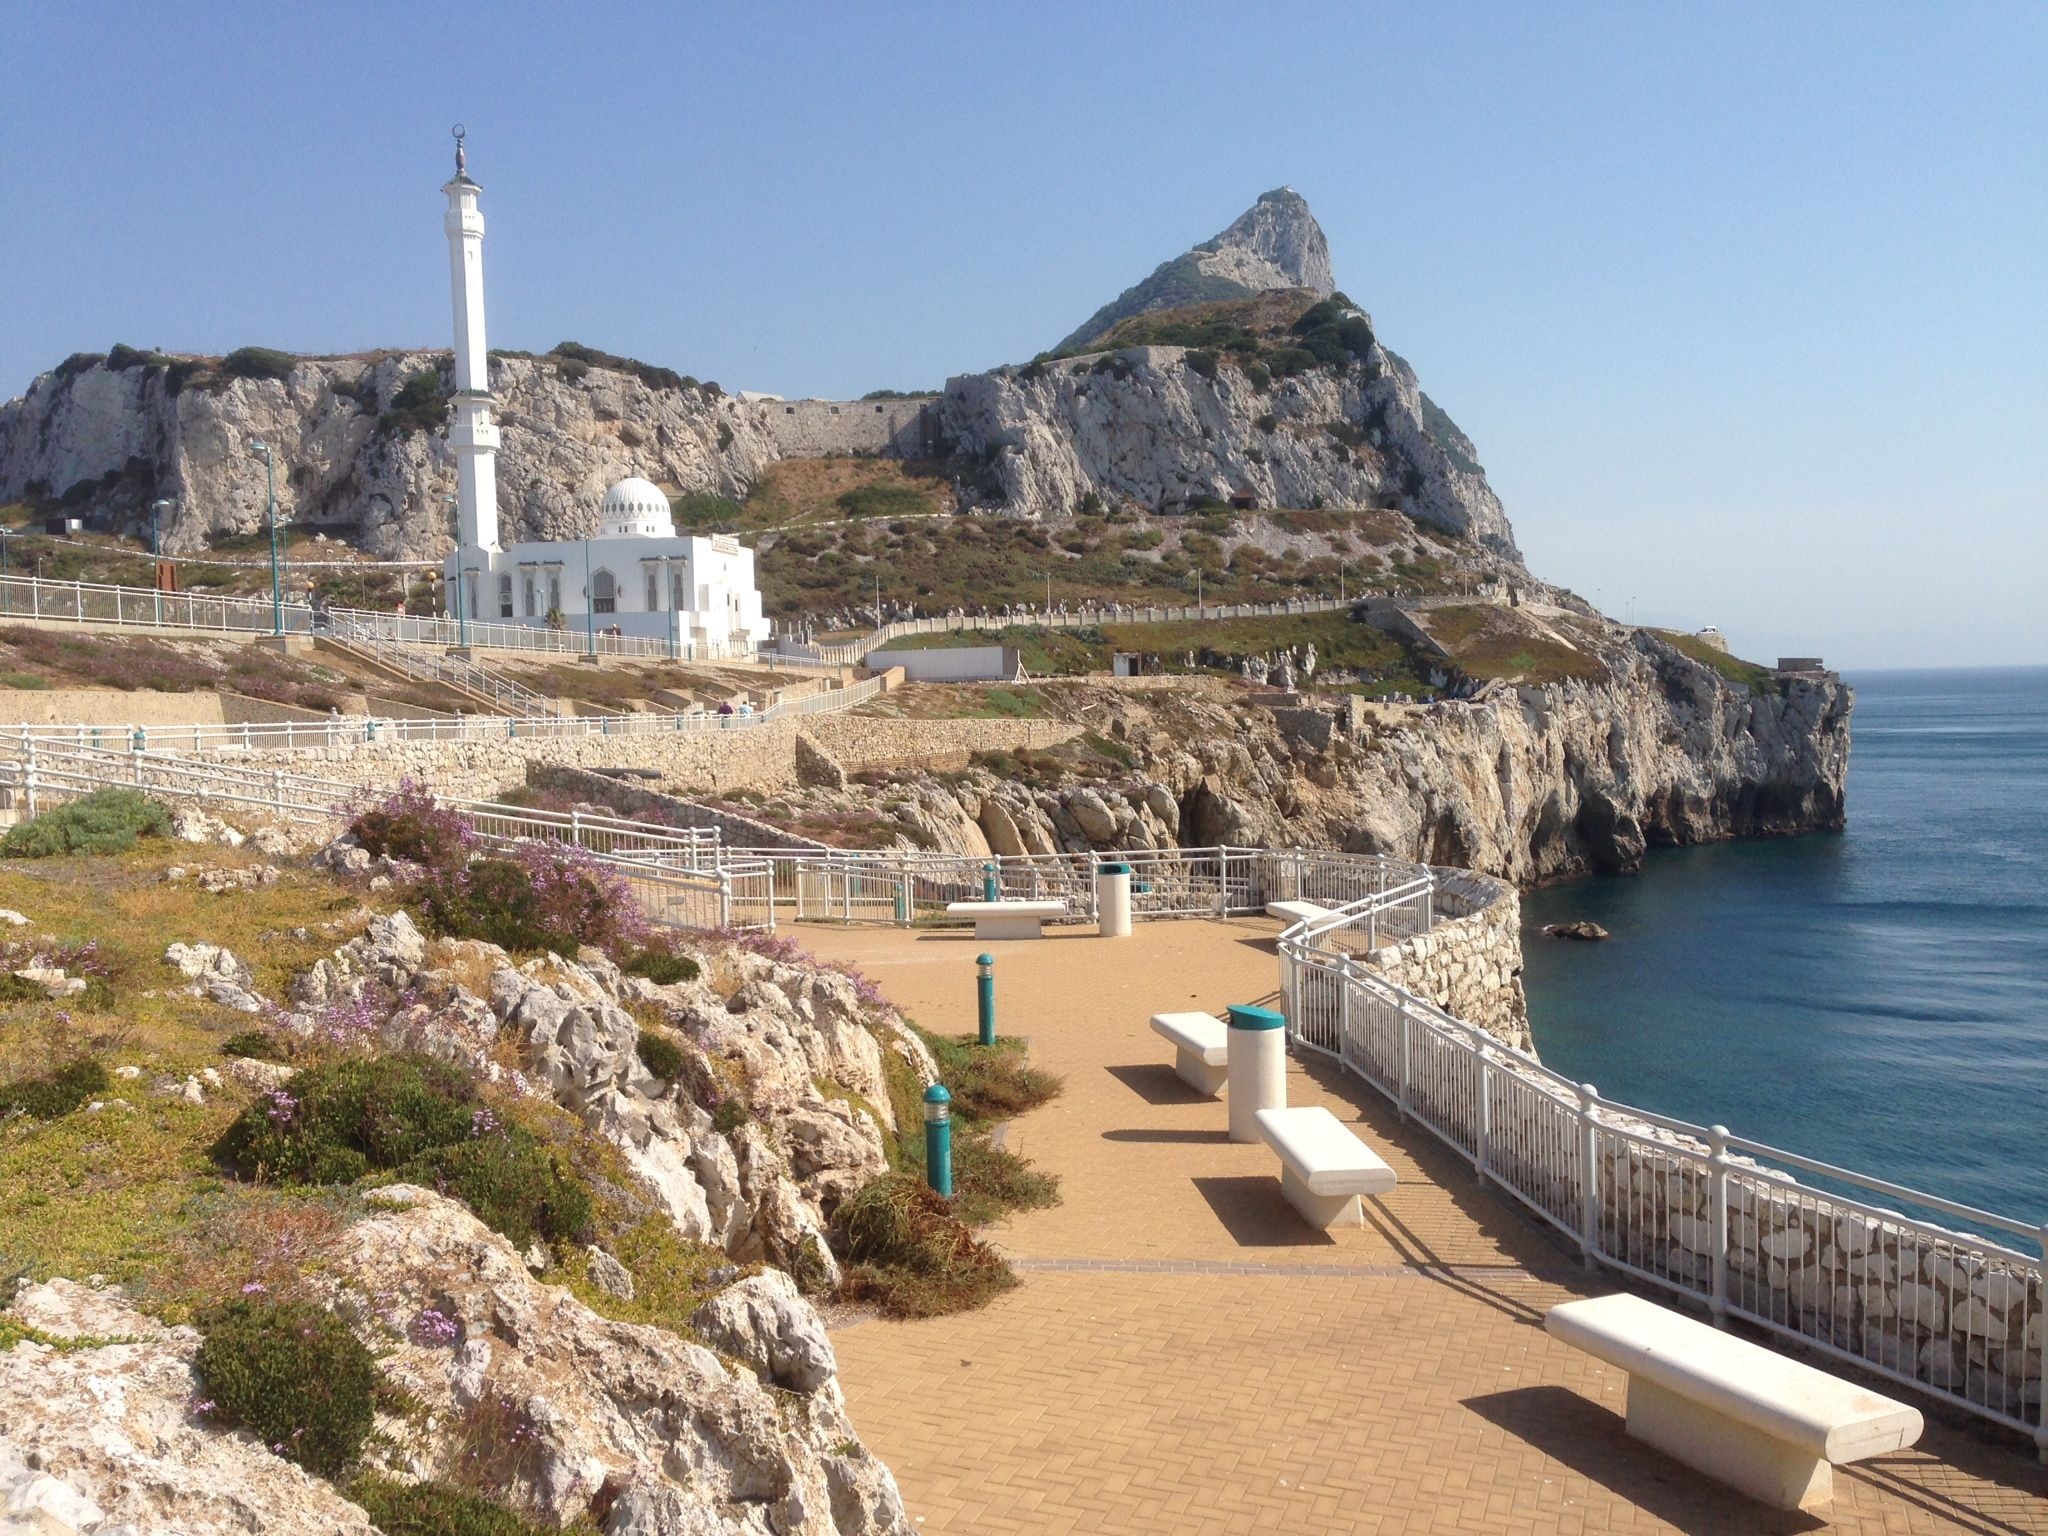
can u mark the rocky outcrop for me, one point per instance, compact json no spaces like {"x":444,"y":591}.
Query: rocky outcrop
{"x":1142,"y":425}
{"x":352,"y":460}
{"x":1276,"y":243}
{"x":659,"y":1432}
{"x":1524,"y":783}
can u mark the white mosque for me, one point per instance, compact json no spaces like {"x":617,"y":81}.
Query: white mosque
{"x":634,"y":576}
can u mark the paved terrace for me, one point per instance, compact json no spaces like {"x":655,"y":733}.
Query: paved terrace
{"x":1186,"y":1356}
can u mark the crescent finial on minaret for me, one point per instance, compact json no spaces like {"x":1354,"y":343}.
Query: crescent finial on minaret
{"x":460,"y":134}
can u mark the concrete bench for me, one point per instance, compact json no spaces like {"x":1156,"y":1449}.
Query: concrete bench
{"x":1008,"y":919}
{"x":1292,"y":912}
{"x":1763,"y":1424}
{"x":1323,"y":1167}
{"x":1201,"y":1048}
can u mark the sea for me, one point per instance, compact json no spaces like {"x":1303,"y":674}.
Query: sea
{"x":1875,"y":998}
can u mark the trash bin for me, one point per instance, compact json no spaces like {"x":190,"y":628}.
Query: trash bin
{"x":1257,"y":1068}
{"x":1113,"y":900}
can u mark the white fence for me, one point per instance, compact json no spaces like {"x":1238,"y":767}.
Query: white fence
{"x":854,"y":651}
{"x":1713,"y":1216}
{"x":431,"y":665}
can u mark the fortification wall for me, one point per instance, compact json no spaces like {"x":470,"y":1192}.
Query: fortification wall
{"x":811,"y":429}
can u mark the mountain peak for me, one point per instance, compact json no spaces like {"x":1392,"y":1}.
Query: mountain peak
{"x":1275,"y":243}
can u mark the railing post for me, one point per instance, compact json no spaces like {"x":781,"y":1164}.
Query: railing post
{"x":1717,"y":1207}
{"x":576,"y":826}
{"x":1406,"y":1026}
{"x":2041,"y":1411}
{"x":1589,"y":1175}
{"x":277,"y":790}
{"x":1481,"y":1151}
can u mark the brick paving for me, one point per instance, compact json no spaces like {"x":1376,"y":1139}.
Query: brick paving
{"x":1185,"y":1355}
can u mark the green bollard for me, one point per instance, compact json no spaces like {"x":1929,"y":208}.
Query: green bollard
{"x":991,"y":885}
{"x":985,"y":991}
{"x":938,"y":1140}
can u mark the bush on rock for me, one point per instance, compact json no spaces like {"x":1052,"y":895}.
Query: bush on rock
{"x":414,"y":1116}
{"x":293,"y":1375}
{"x":434,"y":1509}
{"x":105,"y":821}
{"x":909,"y":1254}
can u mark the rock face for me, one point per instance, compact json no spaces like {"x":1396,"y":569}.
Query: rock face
{"x":1276,"y":243}
{"x":1519,"y":782}
{"x":656,"y":1430}
{"x":1141,"y":425}
{"x":105,"y":1440}
{"x":352,"y":463}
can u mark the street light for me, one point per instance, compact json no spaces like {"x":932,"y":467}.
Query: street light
{"x":589,"y":604}
{"x":461,"y":581}
{"x":262,"y":451}
{"x":156,"y":553}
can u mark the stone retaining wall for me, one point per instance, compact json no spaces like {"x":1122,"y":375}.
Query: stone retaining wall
{"x":759,"y":756}
{"x":1470,"y":962}
{"x":859,"y":742}
{"x":636,"y":800}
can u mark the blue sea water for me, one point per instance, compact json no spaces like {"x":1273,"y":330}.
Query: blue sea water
{"x":1877,"y":999}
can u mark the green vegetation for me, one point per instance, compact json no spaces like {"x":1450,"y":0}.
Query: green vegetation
{"x":573,"y":360}
{"x":883,"y":500}
{"x":258,"y":363}
{"x":292,"y":1374}
{"x":255,"y":1045}
{"x":56,"y":1093}
{"x":105,"y":821}
{"x":659,"y":1055}
{"x":910,"y":1255}
{"x":419,"y":405}
{"x":1487,"y":641}
{"x":408,"y":1114}
{"x":660,"y":964}
{"x":1743,"y":674}
{"x":436,"y":1509}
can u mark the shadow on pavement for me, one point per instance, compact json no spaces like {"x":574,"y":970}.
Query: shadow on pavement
{"x":1256,"y":1215}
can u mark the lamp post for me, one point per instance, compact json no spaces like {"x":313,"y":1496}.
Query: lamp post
{"x":589,"y":605}
{"x":461,"y":581}
{"x":262,"y":451}
{"x":675,"y":616}
{"x":156,"y":554}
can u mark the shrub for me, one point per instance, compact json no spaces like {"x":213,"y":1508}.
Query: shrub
{"x":1202,"y":361}
{"x":343,"y":1118}
{"x":1259,"y":376}
{"x":435,"y":1509}
{"x":909,"y":1254}
{"x":54,"y":1094}
{"x":255,"y":1045}
{"x":542,"y":896}
{"x":881,"y":501}
{"x":258,"y":363}
{"x":659,"y":1054}
{"x":105,"y":821}
{"x":410,"y":824}
{"x":293,"y":1375}
{"x":418,"y":405}
{"x":512,"y":1182}
{"x":1267,"y":423}
{"x":337,"y":1122}
{"x":660,"y":965}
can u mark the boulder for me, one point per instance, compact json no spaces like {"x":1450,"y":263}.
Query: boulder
{"x":763,"y":1321}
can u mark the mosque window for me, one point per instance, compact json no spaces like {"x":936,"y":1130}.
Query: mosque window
{"x":505,"y":596}
{"x":529,"y":594}
{"x":604,"y":593}
{"x":653,"y":590}
{"x":555,"y":593}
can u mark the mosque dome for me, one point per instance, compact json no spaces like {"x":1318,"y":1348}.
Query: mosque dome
{"x":636,"y":508}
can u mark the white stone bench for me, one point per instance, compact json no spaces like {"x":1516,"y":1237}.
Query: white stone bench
{"x":1292,"y":912}
{"x":1768,"y":1426}
{"x":1323,"y":1167}
{"x":1201,"y":1045}
{"x":1008,"y":919}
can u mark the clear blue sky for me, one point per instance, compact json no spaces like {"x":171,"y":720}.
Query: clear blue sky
{"x":1746,"y":306}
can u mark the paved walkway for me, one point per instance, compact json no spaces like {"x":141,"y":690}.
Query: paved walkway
{"x":1186,"y":1356}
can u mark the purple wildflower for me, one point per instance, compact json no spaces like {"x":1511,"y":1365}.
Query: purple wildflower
{"x":433,"y":1329}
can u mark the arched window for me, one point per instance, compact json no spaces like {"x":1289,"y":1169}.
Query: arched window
{"x":527,"y":582}
{"x":604,"y":593}
{"x":554,"y":592}
{"x":653,"y":575}
{"x":677,"y":597}
{"x":505,"y":596}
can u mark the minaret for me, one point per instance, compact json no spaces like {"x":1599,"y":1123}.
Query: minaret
{"x":471,"y":433}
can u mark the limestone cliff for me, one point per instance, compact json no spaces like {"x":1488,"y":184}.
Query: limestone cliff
{"x":361,"y":443}
{"x":1166,"y":426}
{"x":1275,"y":243}
{"x":1521,"y":782}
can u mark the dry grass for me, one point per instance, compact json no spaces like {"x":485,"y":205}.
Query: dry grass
{"x":1488,"y":641}
{"x":808,"y":490}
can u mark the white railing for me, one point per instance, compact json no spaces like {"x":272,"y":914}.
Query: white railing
{"x":39,"y":600}
{"x":1715,"y":1217}
{"x":341,"y":731}
{"x":677,"y":874}
{"x":431,"y":665}
{"x":852,"y":652}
